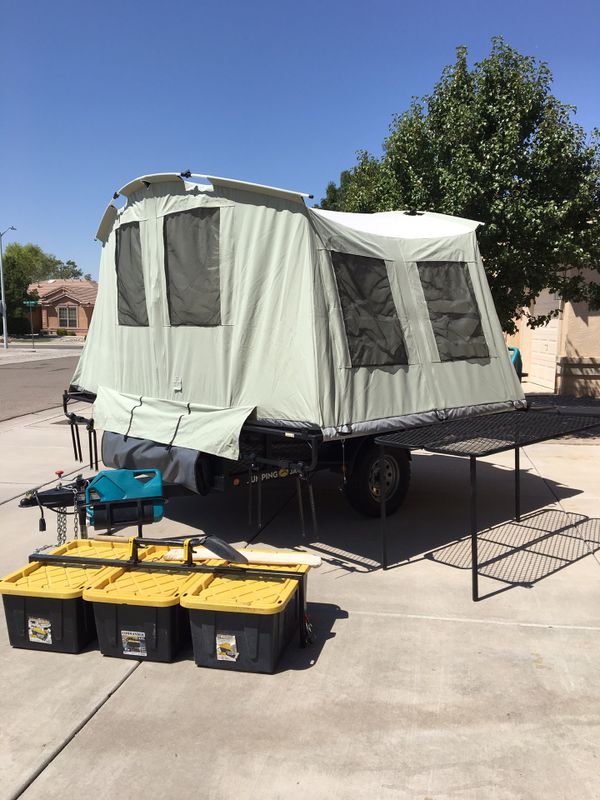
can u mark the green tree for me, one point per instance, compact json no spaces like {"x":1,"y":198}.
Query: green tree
{"x":492,"y":143}
{"x":23,"y":264}
{"x":28,"y":263}
{"x":68,"y":269}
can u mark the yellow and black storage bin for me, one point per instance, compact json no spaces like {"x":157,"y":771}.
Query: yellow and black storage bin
{"x":43,"y":602}
{"x":137,"y":612}
{"x":241,"y":622}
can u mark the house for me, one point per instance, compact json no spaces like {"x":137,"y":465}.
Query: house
{"x":564,"y":355}
{"x":64,"y":304}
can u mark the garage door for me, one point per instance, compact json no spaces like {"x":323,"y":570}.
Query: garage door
{"x":544,"y":343}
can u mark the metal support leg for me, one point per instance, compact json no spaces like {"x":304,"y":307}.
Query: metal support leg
{"x":79,"y":456}
{"x":474,"y":575}
{"x":95,"y":442}
{"x":250,"y":490}
{"x":81,"y":513}
{"x":313,"y":508}
{"x":76,"y":441}
{"x":302,"y":611}
{"x":258,"y":503}
{"x":91,"y":448}
{"x":72,"y":426}
{"x":300,"y":506}
{"x":382,"y":503}
{"x":517,"y":486}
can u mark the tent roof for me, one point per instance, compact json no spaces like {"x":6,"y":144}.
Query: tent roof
{"x":145,"y":180}
{"x":260,"y":188}
{"x":106,"y":223}
{"x":400,"y":224}
{"x":393,"y":224}
{"x":111,"y":212}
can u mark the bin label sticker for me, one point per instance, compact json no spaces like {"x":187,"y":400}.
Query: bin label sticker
{"x":226,"y":647}
{"x":134,"y":643}
{"x":40,"y":630}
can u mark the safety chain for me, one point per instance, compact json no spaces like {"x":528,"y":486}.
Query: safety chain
{"x":75,"y":516}
{"x":44,"y":547}
{"x":61,"y":525}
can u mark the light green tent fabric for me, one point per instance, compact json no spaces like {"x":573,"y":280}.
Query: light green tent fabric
{"x":171,"y":421}
{"x":306,"y":298}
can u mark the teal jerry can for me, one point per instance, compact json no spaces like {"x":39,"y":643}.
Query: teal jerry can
{"x":125,"y":484}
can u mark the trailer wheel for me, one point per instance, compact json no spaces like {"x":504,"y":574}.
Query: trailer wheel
{"x":363,"y":487}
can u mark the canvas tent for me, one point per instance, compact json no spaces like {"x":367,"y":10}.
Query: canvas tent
{"x":223,"y":301}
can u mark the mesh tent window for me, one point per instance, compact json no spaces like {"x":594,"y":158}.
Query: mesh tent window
{"x":191,"y":242}
{"x":131,"y":294}
{"x":371,"y":322}
{"x":453,"y":310}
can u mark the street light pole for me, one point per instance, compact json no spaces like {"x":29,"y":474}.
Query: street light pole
{"x":2,"y":295}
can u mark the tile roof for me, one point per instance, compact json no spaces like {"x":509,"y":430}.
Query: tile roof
{"x":84,"y":292}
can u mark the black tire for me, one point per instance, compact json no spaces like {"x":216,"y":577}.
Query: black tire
{"x":362,"y":488}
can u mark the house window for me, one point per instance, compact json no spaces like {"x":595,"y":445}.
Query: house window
{"x":372,"y":326}
{"x":453,"y":310}
{"x":67,"y":316}
{"x":191,"y":241}
{"x":131,"y":294}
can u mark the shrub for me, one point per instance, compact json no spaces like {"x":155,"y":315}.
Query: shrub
{"x":18,"y":326}
{"x":61,"y":332}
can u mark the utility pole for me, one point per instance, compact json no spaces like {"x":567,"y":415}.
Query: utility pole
{"x":2,"y":295}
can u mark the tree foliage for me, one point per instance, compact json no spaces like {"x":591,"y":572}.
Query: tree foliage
{"x":492,"y":143}
{"x":28,"y":263}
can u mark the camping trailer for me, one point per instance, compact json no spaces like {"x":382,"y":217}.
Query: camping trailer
{"x":237,"y":329}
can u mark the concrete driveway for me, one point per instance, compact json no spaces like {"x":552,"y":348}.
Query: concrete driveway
{"x":410,"y":691}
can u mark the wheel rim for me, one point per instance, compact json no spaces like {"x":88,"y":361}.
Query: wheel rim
{"x":391,"y":475}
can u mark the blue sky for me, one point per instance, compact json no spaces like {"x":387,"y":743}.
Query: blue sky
{"x":93,"y":94}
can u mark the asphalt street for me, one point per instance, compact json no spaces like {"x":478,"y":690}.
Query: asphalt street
{"x":26,"y":387}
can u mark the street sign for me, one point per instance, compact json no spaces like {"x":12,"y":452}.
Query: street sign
{"x":31,"y":304}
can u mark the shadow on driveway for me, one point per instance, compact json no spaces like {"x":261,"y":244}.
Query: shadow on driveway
{"x":433,"y":523}
{"x":524,"y":553}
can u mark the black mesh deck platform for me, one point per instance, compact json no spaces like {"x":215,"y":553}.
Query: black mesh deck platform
{"x":474,"y":437}
{"x":489,"y":434}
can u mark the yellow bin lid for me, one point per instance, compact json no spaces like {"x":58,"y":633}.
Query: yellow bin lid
{"x":57,"y":581}
{"x":241,"y":595}
{"x":119,"y":550}
{"x":49,"y":580}
{"x":92,"y":548}
{"x":140,"y":587}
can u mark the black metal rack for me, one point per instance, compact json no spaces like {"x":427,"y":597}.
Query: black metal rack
{"x":474,"y":437}
{"x":187,"y":565}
